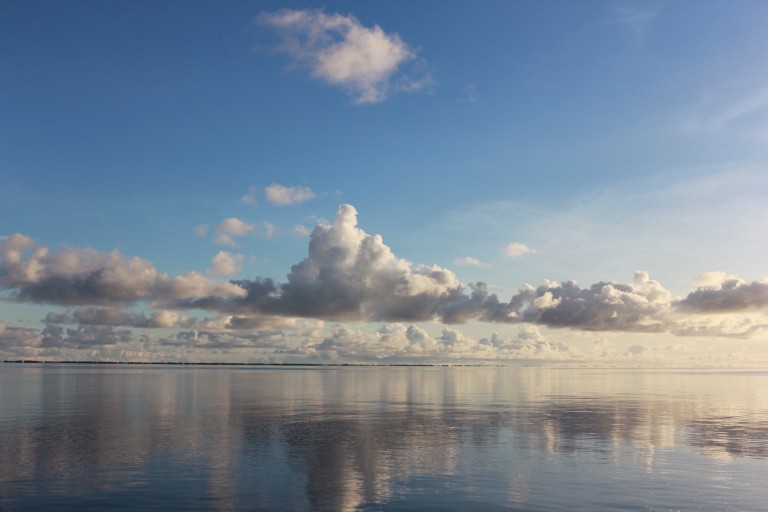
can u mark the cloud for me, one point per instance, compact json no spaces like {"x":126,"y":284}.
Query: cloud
{"x":729,"y":295}
{"x":645,"y":225}
{"x":301,"y":230}
{"x":646,"y":306}
{"x":280,"y":195}
{"x":229,"y":229}
{"x":18,"y":337}
{"x":30,"y":272}
{"x":472,"y":94}
{"x":604,"y":306}
{"x":233,"y":332}
{"x":468,"y":261}
{"x":751,"y":107}
{"x":268,"y":229}
{"x":226,"y":264}
{"x":84,"y":336}
{"x":350,"y":275}
{"x":225,"y":340}
{"x":515,"y":249}
{"x":757,"y":101}
{"x":119,"y":317}
{"x":637,"y":17}
{"x":339,"y":50}
{"x":713,"y":279}
{"x":250,"y":197}
{"x":739,"y":326}
{"x":396,"y":341}
{"x":276,"y":338}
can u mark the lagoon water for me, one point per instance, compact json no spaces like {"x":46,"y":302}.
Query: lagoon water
{"x":107,"y":437}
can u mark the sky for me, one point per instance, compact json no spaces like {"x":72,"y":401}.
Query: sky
{"x":557,"y":182}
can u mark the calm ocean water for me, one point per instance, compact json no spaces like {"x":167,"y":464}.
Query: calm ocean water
{"x":366,"y":438}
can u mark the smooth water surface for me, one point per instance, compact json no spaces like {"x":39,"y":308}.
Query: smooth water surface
{"x":111,"y":437}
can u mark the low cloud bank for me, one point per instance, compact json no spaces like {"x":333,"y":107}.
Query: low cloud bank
{"x":351,"y":276}
{"x":30,"y":272}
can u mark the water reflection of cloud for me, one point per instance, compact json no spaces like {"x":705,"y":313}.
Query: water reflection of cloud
{"x":607,"y":427}
{"x":347,"y":437}
{"x":726,"y":437}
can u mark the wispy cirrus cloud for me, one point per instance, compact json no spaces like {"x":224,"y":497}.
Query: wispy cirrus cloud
{"x":713,"y":116}
{"x":339,"y":50}
{"x":637,"y":16}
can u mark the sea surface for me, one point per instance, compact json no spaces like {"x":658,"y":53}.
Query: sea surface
{"x":130,"y":437}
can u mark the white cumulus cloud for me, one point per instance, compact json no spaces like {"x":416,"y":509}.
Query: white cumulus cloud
{"x":339,"y":50}
{"x":226,"y":264}
{"x":231,"y":228}
{"x":515,"y":249}
{"x":468,"y":261}
{"x":280,"y":195}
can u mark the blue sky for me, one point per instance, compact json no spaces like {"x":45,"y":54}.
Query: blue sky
{"x":497,"y":142}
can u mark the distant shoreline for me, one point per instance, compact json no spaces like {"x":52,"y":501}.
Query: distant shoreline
{"x":386,"y":365}
{"x":32,"y":361}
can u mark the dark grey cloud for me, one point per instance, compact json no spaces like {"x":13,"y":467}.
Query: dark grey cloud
{"x":14,"y":337}
{"x":732,"y":295}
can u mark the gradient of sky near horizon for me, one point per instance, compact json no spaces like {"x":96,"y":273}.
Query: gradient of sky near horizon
{"x":152,"y":152}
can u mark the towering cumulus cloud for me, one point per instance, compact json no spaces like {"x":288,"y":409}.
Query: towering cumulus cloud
{"x":350,"y":275}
